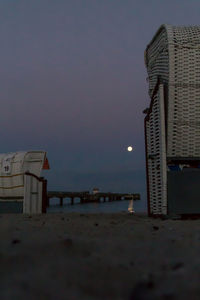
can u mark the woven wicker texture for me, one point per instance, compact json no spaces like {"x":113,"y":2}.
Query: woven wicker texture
{"x":173,"y":58}
{"x":156,"y":158}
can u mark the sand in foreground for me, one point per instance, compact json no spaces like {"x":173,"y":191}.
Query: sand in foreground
{"x":98,"y":256}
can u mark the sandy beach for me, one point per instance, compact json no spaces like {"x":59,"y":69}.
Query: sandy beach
{"x":98,"y":256}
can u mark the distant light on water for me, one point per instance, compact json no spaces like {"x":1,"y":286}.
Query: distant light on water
{"x":130,"y":148}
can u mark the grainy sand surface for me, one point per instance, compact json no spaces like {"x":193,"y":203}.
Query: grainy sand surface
{"x":98,"y":256}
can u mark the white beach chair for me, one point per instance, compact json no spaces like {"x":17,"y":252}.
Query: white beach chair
{"x":21,"y":187}
{"x":172,"y":123}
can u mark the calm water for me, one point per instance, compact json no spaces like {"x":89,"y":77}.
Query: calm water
{"x":104,"y":207}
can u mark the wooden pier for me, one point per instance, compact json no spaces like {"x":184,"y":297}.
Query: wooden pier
{"x":86,"y":197}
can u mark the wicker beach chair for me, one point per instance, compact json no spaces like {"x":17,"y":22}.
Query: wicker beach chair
{"x":172,"y":122}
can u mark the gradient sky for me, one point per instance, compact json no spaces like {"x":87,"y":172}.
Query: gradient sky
{"x":73,"y":83}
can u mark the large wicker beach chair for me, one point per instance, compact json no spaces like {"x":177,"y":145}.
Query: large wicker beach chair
{"x":172,"y":123}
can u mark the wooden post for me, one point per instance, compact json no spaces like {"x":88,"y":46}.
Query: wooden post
{"x":72,"y":200}
{"x":61,"y":201}
{"x":45,"y":199}
{"x":48,"y":200}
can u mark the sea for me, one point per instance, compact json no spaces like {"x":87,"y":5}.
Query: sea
{"x":102,"y":207}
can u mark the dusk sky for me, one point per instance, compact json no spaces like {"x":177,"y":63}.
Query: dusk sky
{"x":73,"y":83}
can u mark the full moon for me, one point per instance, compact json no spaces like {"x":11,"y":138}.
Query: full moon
{"x":130,"y":148}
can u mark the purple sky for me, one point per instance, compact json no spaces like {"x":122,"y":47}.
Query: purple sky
{"x":73,"y":82}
